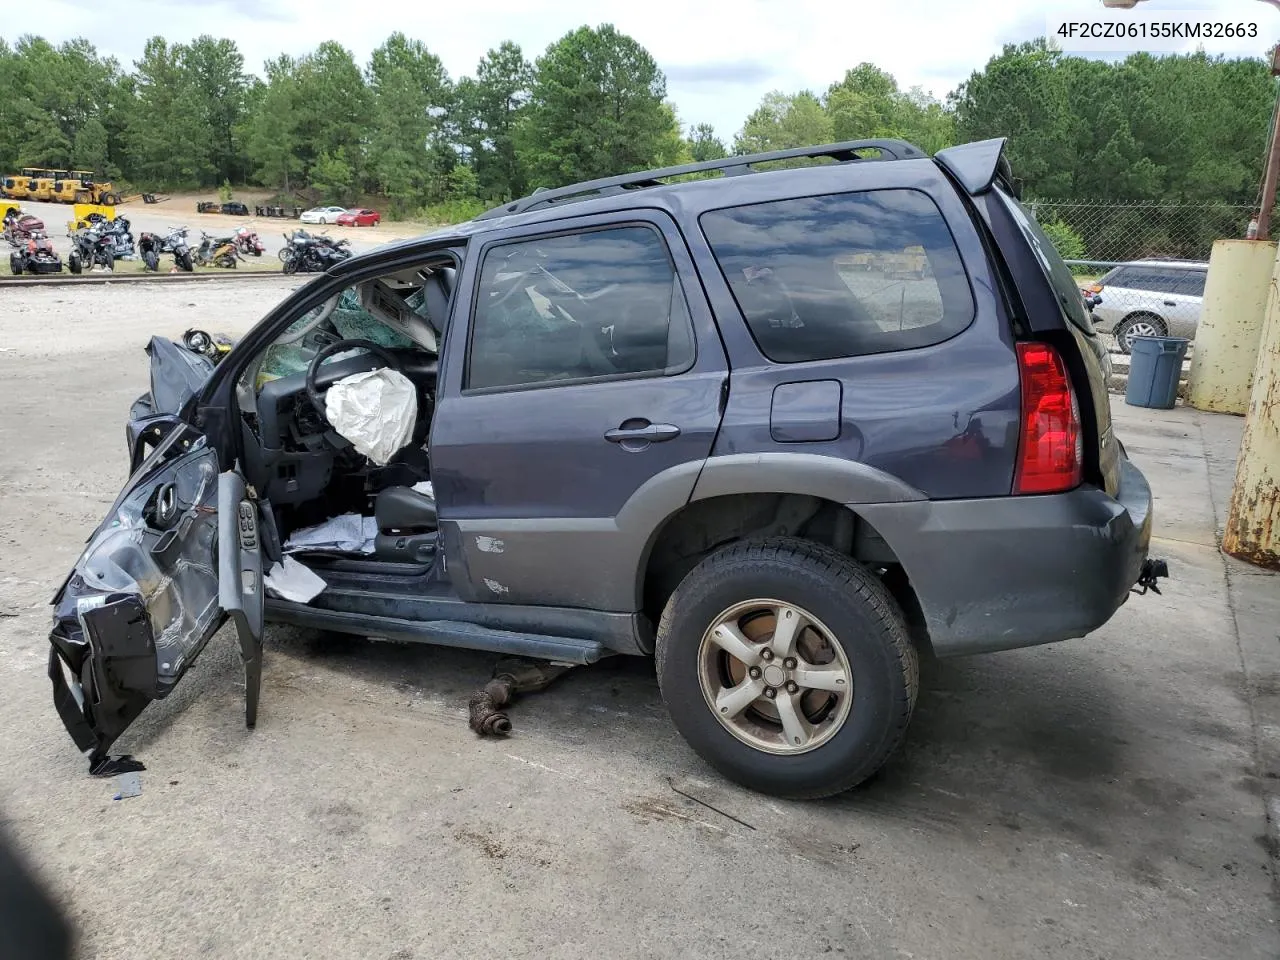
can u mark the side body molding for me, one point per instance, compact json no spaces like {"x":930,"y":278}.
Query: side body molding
{"x":598,"y":563}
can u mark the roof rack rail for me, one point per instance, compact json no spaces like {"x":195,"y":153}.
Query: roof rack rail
{"x":845,"y":152}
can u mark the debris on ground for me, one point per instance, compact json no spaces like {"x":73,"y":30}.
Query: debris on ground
{"x":294,"y":581}
{"x":128,"y":785}
{"x":510,"y":676}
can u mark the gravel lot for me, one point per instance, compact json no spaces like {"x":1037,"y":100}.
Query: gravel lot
{"x":1101,"y":798}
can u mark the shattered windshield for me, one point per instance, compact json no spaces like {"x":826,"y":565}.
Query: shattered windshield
{"x":328,"y":323}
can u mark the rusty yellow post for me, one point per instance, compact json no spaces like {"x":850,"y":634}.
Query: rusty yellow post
{"x":1235,"y":303}
{"x":1253,"y":519}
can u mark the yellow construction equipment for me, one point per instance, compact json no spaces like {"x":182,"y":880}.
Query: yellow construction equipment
{"x":17,"y":187}
{"x":83,"y":210}
{"x":59,"y":186}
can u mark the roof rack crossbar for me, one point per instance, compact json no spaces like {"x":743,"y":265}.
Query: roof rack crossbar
{"x":846,"y":152}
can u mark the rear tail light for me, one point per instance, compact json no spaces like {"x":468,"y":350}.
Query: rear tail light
{"x":1051,"y":447}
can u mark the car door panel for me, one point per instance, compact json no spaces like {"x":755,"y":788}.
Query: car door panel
{"x":146,"y":594}
{"x":548,"y":493}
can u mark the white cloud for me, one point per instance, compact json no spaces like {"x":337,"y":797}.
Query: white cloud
{"x":721,"y":57}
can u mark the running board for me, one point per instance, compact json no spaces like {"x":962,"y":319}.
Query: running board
{"x":444,"y":633}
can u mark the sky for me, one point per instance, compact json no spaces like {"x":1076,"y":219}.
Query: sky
{"x":720,"y":56}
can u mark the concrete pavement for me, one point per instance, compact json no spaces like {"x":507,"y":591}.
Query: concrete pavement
{"x":1104,"y":797}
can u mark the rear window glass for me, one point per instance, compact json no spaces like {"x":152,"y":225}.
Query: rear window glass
{"x":842,"y":275}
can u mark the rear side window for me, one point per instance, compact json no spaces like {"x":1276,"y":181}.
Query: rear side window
{"x":842,"y":275}
{"x":1160,"y":280}
{"x":1192,"y":284}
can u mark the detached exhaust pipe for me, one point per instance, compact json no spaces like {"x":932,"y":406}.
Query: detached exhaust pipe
{"x":510,"y":677}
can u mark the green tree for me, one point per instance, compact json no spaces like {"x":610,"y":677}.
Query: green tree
{"x":487,"y":110}
{"x":596,"y":109}
{"x":783,"y":121}
{"x":333,"y":107}
{"x":270,"y":132}
{"x":704,"y":144}
{"x":51,"y":95}
{"x":217,"y":88}
{"x":411,"y":92}
{"x":89,"y":150}
{"x":867,"y":103}
{"x":166,"y":139}
{"x":334,"y":177}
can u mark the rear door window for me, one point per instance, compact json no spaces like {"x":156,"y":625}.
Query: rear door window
{"x":842,"y":275}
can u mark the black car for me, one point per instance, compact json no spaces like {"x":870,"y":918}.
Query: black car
{"x":779,"y":429}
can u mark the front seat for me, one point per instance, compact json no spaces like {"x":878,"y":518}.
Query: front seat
{"x":406,"y":526}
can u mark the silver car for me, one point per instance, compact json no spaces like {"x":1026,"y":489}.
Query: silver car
{"x":1150,"y":298}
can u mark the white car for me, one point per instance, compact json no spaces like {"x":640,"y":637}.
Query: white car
{"x":1150,"y":298}
{"x":322,"y":214}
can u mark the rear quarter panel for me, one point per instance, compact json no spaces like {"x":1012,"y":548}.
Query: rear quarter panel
{"x":943,"y":418}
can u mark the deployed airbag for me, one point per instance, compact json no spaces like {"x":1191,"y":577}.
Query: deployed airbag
{"x":375,"y":410}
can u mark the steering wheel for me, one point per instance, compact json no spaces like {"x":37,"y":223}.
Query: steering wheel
{"x":379,"y":351}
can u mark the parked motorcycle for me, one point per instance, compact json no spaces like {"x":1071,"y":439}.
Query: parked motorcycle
{"x":304,"y":253}
{"x":38,"y":256}
{"x":175,"y":242}
{"x":91,"y":248}
{"x":149,"y":249}
{"x":217,"y":251}
{"x":122,"y":244}
{"x":20,"y":227}
{"x":247,"y":242}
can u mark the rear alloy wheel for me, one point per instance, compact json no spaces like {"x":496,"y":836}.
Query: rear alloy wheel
{"x":1138,"y":325}
{"x":787,"y":666}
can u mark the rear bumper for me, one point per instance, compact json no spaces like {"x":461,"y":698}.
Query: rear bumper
{"x":1008,"y":572}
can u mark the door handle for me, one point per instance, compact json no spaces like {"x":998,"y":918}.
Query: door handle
{"x":643,"y":432}
{"x":1170,"y":303}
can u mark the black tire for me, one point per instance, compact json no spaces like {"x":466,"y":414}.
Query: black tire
{"x":15,"y":266}
{"x":291,"y":265}
{"x":1125,"y":328}
{"x":74,"y":263}
{"x":110,"y":199}
{"x":109,"y":260}
{"x":183,"y":261}
{"x":862,"y":617}
{"x":151,"y":260}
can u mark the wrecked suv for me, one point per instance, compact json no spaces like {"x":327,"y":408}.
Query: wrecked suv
{"x":780,"y":429}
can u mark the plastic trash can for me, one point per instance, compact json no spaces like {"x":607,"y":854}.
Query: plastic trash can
{"x":1155,"y":365}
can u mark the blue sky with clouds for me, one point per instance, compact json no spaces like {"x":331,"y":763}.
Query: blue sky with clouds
{"x":720,"y":57}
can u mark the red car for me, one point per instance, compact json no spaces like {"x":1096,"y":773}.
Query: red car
{"x":359,"y":218}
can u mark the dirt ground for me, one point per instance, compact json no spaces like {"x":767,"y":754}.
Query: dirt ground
{"x":1100,"y":798}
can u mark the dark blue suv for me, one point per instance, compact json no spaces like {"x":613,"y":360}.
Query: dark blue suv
{"x":781,"y":427}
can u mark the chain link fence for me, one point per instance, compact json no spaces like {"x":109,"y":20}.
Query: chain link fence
{"x":1141,"y":265}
